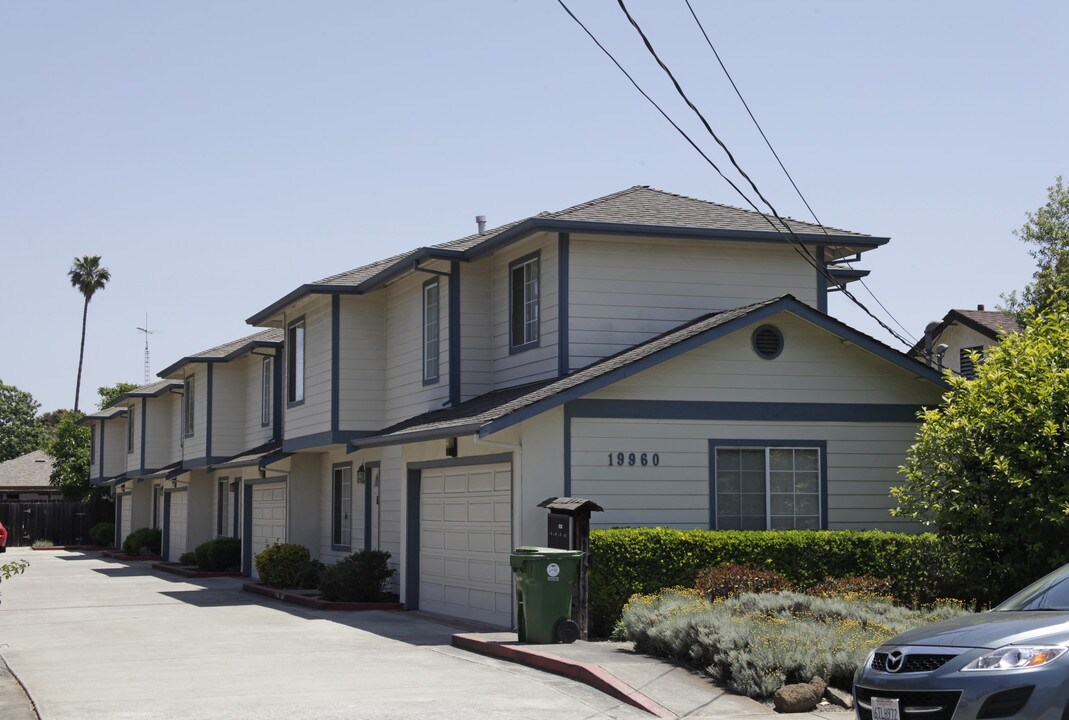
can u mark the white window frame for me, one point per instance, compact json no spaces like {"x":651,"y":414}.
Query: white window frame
{"x":525,"y":302}
{"x":296,"y":337}
{"x":768,"y":448}
{"x":189,"y":408}
{"x":432,"y":311}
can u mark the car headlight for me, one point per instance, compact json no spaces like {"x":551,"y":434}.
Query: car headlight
{"x":1013,"y":657}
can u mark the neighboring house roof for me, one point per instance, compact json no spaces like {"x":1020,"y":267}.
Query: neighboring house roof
{"x":107,"y":413}
{"x":639,"y":210}
{"x":497,"y":410}
{"x":992,"y":323}
{"x":155,"y":389}
{"x":29,"y":472}
{"x":228,"y":351}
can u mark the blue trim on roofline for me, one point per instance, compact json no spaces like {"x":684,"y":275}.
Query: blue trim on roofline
{"x":405,"y":438}
{"x":454,"y":333}
{"x":335,"y":366}
{"x":537,"y":224}
{"x":744,"y":411}
{"x":339,"y":437}
{"x":563,"y":311}
{"x":168,"y":386}
{"x":785,"y":304}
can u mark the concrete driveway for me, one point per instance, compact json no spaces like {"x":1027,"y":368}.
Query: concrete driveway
{"x":95,"y":638}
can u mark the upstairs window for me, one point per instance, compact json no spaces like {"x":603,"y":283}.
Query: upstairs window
{"x":266,"y":379}
{"x":524,"y":302}
{"x":431,"y":314}
{"x":130,"y":429}
{"x":188,"y":402}
{"x":295,"y":362}
{"x":92,"y":445}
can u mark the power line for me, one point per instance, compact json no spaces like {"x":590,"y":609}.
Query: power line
{"x":783,"y":167}
{"x":791,"y":236}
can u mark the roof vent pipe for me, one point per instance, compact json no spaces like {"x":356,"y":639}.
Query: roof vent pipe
{"x":980,"y":308}
{"x":480,"y":220}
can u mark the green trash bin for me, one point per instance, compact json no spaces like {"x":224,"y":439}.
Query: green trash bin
{"x":545,"y":578}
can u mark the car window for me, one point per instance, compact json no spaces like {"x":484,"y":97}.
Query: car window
{"x":1050,"y":592}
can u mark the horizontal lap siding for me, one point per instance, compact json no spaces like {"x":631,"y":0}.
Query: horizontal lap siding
{"x":251,"y":369}
{"x":196,"y":445}
{"x":814,"y":367}
{"x":362,"y":362}
{"x":535,"y":363}
{"x":158,"y":430}
{"x":114,"y":447}
{"x":863,"y":461}
{"x":476,"y":369}
{"x":313,"y":416}
{"x":958,"y":337}
{"x":623,"y":291}
{"x":228,"y":408}
{"x":406,"y":395}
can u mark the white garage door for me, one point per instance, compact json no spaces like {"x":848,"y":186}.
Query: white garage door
{"x":126,"y":515}
{"x":268,"y":518}
{"x":179,"y":522}
{"x":465,"y":539}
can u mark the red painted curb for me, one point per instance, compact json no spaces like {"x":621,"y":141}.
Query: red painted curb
{"x":316,"y":603}
{"x":590,"y":674}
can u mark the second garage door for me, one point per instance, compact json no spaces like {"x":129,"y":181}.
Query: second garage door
{"x":268,"y":518}
{"x":465,"y":541}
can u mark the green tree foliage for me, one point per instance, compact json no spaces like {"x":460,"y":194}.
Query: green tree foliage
{"x":69,"y":450}
{"x":20,"y":431}
{"x":48,"y":422}
{"x":109,"y":393}
{"x":989,"y":468}
{"x":1047,"y":230}
{"x":87,"y":276}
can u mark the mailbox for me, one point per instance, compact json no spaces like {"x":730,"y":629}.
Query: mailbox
{"x":569,"y":529}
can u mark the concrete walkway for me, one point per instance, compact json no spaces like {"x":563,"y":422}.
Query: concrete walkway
{"x":95,"y":638}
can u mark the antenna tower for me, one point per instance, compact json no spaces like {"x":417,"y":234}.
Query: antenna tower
{"x":148,"y":362}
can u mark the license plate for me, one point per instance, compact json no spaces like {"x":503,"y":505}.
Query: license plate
{"x":885,"y":709}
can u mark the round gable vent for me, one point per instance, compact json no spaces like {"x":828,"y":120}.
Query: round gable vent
{"x":767,"y":342}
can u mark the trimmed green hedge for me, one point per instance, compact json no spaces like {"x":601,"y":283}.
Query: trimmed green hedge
{"x":625,"y":561}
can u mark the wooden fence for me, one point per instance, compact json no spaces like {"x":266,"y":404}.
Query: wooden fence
{"x":62,"y":522}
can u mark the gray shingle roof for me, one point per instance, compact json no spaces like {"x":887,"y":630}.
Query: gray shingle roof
{"x":995,"y":322}
{"x":105,"y":414}
{"x":634,"y":208}
{"x":31,"y":470}
{"x":151,"y":390}
{"x":272,"y":337}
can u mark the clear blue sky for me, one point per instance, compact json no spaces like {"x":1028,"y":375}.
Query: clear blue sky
{"x":217,"y":155}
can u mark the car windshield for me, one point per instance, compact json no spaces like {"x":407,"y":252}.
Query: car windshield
{"x":1050,"y":592}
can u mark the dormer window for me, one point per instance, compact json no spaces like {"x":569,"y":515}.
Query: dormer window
{"x":524,"y":303}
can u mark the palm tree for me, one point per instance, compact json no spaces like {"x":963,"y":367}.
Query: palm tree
{"x":87,"y":276}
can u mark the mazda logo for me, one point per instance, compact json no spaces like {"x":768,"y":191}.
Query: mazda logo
{"x":895,"y":660}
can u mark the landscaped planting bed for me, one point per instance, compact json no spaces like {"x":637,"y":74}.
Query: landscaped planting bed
{"x":755,"y":643}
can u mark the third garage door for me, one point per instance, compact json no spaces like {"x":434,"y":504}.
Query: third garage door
{"x":268,"y":518}
{"x":465,"y":541}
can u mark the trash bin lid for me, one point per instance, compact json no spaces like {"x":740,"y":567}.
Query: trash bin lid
{"x":535,"y":551}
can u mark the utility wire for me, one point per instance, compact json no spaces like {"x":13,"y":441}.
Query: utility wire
{"x":783,"y":167}
{"x":791,"y":236}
